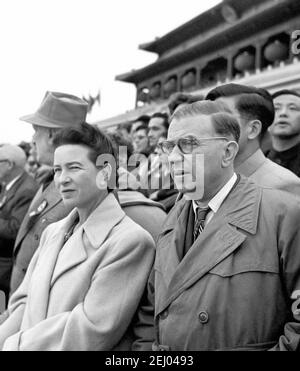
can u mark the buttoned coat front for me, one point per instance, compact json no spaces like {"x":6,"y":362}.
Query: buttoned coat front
{"x":81,"y":295}
{"x":235,"y":287}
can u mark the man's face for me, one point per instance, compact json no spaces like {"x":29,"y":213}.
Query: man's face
{"x":230,"y":102}
{"x":43,"y":145}
{"x":156,"y":130}
{"x":287,"y":116}
{"x":196,"y":174}
{"x":140,"y":141}
{"x":76,"y":176}
{"x":134,"y":126}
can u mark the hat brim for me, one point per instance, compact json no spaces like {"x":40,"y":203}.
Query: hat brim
{"x":37,"y":120}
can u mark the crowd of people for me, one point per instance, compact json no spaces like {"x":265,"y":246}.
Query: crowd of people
{"x":177,"y":231}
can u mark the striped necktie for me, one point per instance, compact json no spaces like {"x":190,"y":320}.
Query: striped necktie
{"x":200,"y":220}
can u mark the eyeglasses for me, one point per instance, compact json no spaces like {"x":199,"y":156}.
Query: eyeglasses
{"x":186,"y":145}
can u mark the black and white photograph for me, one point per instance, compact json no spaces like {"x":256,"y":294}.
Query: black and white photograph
{"x":150,"y":178}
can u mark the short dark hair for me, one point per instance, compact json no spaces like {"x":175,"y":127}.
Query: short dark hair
{"x":177,"y":99}
{"x":91,"y":137}
{"x":285,"y":92}
{"x":252,"y":102}
{"x":126,"y":126}
{"x":222,"y":118}
{"x":164,"y":116}
{"x":144,"y":119}
{"x":142,"y":127}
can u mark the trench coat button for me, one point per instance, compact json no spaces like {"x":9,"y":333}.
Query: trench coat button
{"x":164,"y":314}
{"x":158,"y":347}
{"x":36,"y":237}
{"x":203,"y":317}
{"x":44,"y":220}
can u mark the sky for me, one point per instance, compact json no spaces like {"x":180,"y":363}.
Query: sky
{"x":78,"y":47}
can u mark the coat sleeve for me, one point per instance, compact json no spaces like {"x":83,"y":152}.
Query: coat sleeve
{"x":101,"y":320}
{"x":144,"y":329}
{"x":11,"y":319}
{"x":289,"y":254}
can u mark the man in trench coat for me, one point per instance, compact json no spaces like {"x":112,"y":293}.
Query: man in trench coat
{"x":229,"y":280}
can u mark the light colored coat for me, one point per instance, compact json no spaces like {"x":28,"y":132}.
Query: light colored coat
{"x":267,"y":173}
{"x":83,"y":295}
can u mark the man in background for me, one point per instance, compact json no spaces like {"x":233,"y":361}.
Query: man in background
{"x":157,"y":127}
{"x":17,"y":193}
{"x":157,"y":175}
{"x":285,"y":131}
{"x":57,"y":111}
{"x":141,"y":120}
{"x":141,"y":141}
{"x":254,"y":110}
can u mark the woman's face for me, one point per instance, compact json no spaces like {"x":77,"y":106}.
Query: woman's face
{"x":75,"y":177}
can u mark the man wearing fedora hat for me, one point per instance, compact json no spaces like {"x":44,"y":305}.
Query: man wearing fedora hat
{"x":57,"y":111}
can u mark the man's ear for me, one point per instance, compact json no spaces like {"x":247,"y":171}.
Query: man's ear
{"x":11,"y":164}
{"x":107,"y":171}
{"x":50,"y":136}
{"x":254,"y":129}
{"x":230,"y":151}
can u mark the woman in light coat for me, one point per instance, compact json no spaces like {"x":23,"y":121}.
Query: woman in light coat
{"x":85,"y":282}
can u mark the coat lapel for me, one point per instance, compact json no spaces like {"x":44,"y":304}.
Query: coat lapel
{"x":72,"y":252}
{"x":10,"y":194}
{"x":220,"y":238}
{"x":40,"y":285}
{"x":91,"y":235}
{"x":171,"y":241}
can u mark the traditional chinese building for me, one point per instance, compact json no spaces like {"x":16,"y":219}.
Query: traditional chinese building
{"x":243,"y":41}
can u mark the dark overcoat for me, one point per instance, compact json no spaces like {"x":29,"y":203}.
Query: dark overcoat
{"x":14,"y":204}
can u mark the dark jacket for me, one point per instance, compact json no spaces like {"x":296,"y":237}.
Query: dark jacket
{"x":289,"y":159}
{"x":13,"y":206}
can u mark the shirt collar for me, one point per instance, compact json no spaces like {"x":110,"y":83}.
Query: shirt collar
{"x":216,"y":202}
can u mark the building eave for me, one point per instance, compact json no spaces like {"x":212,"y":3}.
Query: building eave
{"x":285,"y":76}
{"x":256,"y":22}
{"x":204,"y":21}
